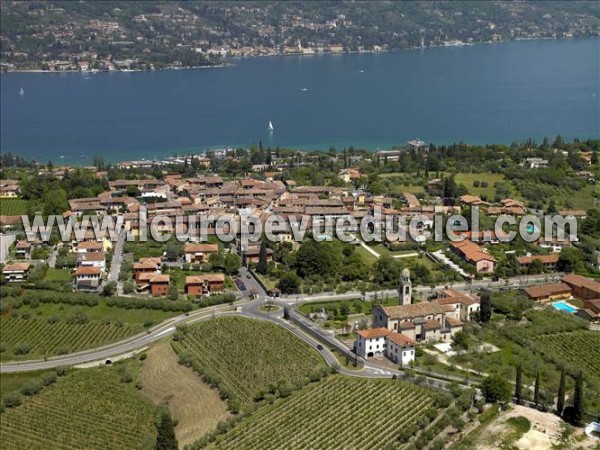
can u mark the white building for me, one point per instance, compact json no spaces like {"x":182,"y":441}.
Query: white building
{"x":378,"y":342}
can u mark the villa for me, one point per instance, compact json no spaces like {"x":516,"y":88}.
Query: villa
{"x":378,"y":342}
{"x":199,"y":253}
{"x":16,"y":272}
{"x":475,"y":255}
{"x":205,"y":284}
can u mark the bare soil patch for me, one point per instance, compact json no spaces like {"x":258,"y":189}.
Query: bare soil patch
{"x":195,"y":406}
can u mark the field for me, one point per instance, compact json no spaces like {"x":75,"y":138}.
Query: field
{"x":90,"y":409}
{"x":337,"y":412}
{"x":248,"y":355}
{"x":489,"y":192}
{"x":49,"y":329}
{"x":580,"y":349}
{"x":33,"y":337}
{"x":147,"y":249}
{"x":195,"y":406}
{"x":13,"y":206}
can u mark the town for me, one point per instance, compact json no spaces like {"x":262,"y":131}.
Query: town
{"x":415,"y":308}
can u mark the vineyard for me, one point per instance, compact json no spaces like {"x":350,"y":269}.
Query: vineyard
{"x":248,"y":355}
{"x":580,"y":349}
{"x":338,"y":412}
{"x":13,"y":206}
{"x":90,"y":409}
{"x":37,"y":337}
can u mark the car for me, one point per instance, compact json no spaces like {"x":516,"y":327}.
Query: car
{"x":319,"y":347}
{"x":248,"y":276}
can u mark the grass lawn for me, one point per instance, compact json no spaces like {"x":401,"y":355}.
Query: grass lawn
{"x":269,"y":282}
{"x":468,"y":178}
{"x":63,"y":275}
{"x":147,"y":249}
{"x":367,"y":256}
{"x":583,"y":199}
{"x":12,"y":206}
{"x":13,"y":382}
{"x":355,"y":306}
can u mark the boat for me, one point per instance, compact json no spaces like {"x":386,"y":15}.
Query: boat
{"x":270,"y":127}
{"x":304,"y":89}
{"x":21,"y":91}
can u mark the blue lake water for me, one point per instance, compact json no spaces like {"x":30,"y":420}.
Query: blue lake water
{"x":478,"y":94}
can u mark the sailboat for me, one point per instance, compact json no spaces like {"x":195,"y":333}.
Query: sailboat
{"x":21,"y":91}
{"x":270,"y":127}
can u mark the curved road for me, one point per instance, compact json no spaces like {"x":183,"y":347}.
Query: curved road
{"x":305,"y":330}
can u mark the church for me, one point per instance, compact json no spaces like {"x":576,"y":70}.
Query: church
{"x":435,"y":320}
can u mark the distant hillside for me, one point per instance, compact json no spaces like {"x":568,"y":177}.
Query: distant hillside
{"x":107,"y":35}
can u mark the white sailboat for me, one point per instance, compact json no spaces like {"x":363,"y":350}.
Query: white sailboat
{"x":270,"y":127}
{"x":21,"y":91}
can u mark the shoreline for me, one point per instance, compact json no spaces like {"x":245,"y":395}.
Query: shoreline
{"x":270,"y":55}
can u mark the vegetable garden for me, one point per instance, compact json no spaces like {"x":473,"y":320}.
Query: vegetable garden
{"x":90,"y":409}
{"x":338,"y":412}
{"x":247,"y":356}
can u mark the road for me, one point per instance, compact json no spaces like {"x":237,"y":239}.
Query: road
{"x":117,"y":260}
{"x":301,"y":327}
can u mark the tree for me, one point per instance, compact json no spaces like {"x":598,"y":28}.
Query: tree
{"x":173,"y":294}
{"x":165,"y":439}
{"x":519,"y":384}
{"x":496,"y":389}
{"x":262,"y":267}
{"x":109,"y":289}
{"x":232,"y":263}
{"x":460,"y":340}
{"x":536,"y":390}
{"x":55,"y":202}
{"x":560,"y":402}
{"x":578,"y":400}
{"x":289,"y":283}
{"x":569,"y":259}
{"x":172,"y":252}
{"x":485,"y":310}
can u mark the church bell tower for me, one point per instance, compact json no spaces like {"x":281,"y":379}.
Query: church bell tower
{"x":405,"y":288}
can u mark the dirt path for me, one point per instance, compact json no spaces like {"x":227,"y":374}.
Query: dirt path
{"x":195,"y":405}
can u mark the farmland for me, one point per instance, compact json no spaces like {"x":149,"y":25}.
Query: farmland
{"x":338,"y":412}
{"x":248,"y":355}
{"x":13,"y":206}
{"x":91,"y":409}
{"x":36,"y":337}
{"x":48,"y":329}
{"x":580,"y":349}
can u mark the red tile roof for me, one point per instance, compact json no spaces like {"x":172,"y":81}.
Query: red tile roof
{"x":373,"y":333}
{"x":401,"y":340}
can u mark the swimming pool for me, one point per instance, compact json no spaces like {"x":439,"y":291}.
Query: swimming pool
{"x":564,"y":306}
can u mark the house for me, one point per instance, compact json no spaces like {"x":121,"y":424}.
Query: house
{"x":417,"y":145}
{"x":92,"y":259}
{"x":583,"y":288}
{"x":146,"y":265}
{"x":89,"y":247}
{"x":199,"y":253}
{"x":205,"y":284}
{"x":545,"y":293}
{"x":555,"y":245}
{"x":464,"y":304}
{"x":16,"y":272}
{"x":159,"y":285}
{"x":348,"y":175}
{"x":253,"y":254}
{"x":378,"y":342}
{"x":590,"y":310}
{"x":9,"y":189}
{"x":548,"y":261}
{"x":23,"y":249}
{"x":472,"y":200}
{"x":578,"y":214}
{"x":535,"y":163}
{"x":475,"y":255}
{"x":87,"y":278}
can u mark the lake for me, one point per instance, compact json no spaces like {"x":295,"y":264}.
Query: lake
{"x":494,"y":93}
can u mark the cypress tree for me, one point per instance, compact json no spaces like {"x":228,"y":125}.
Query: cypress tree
{"x":262,"y":265}
{"x":536,"y":391}
{"x":165,"y":439}
{"x":578,"y":400}
{"x":485,"y":311}
{"x":519,"y":385}
{"x":560,"y":402}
